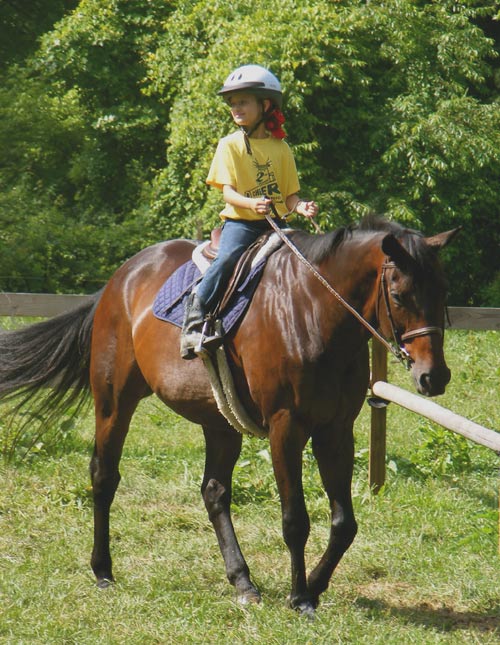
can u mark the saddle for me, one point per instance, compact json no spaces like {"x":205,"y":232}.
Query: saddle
{"x":210,"y":250}
{"x":170,"y":300}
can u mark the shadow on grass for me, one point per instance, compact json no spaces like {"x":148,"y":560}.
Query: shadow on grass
{"x":442,"y":618}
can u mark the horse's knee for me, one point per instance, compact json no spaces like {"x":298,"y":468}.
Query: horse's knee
{"x":215,"y":497}
{"x":93,"y":466}
{"x":344,"y":531}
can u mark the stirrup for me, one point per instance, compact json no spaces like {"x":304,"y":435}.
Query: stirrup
{"x":211,"y":337}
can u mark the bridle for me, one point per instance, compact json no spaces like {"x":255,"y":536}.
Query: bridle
{"x":397,"y":349}
{"x":399,"y":338}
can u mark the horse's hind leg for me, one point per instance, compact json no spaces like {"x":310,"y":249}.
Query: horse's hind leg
{"x":223,"y":446}
{"x":334,"y":452}
{"x":113,"y":414}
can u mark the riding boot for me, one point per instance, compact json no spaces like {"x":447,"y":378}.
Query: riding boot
{"x":192,"y":327}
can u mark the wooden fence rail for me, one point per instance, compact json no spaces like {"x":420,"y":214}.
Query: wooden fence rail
{"x":434,"y":412}
{"x":475,"y":318}
{"x":44,"y":305}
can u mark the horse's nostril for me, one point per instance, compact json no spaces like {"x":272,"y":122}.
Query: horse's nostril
{"x":425,"y":382}
{"x":435,"y":382}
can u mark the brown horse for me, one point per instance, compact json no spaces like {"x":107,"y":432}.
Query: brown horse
{"x":299,"y":360}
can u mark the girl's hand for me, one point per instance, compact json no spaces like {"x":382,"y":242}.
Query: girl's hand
{"x":261,"y":205}
{"x":307,"y":209}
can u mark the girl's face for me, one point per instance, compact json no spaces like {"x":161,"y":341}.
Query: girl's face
{"x":246,"y":109}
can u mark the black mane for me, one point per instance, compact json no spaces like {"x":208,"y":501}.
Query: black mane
{"x":317,"y":248}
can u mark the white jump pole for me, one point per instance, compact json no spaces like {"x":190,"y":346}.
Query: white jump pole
{"x":438,"y":414}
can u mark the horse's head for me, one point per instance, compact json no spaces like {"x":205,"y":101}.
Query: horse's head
{"x":412,"y":304}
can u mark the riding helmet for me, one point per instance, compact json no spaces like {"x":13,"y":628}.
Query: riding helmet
{"x":253,"y":79}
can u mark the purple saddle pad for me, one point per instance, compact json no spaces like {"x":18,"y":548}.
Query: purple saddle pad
{"x":170,"y":299}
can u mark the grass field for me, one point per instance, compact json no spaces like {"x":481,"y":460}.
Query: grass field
{"x":424,"y":567}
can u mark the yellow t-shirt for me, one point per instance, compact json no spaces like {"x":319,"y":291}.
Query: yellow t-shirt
{"x":270,"y":170}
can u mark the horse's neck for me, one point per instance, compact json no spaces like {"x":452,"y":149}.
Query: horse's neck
{"x":353,"y":271}
{"x":356,"y":263}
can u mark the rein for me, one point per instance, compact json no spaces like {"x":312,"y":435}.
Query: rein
{"x":399,"y":352}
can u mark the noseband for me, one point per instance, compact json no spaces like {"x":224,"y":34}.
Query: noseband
{"x":400,"y":339}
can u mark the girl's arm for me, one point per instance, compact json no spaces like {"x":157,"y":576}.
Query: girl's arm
{"x":295,"y":204}
{"x":258,"y":205}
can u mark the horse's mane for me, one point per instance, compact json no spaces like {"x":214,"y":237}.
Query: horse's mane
{"x":317,"y":248}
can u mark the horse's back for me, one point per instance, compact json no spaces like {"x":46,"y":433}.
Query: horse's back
{"x":135,"y":283}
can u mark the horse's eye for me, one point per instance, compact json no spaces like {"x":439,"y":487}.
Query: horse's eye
{"x":396,"y":298}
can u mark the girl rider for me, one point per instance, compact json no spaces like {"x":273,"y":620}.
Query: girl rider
{"x":252,"y":166}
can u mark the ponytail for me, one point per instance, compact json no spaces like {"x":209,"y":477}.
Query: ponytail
{"x":274,"y":119}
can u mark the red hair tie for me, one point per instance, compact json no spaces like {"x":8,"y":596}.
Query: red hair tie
{"x":274,"y":121}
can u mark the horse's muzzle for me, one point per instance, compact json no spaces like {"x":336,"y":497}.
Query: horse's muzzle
{"x":432,"y":382}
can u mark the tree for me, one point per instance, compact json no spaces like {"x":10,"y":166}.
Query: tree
{"x":79,"y":142}
{"x":391,"y":106}
{"x":22,"y":25}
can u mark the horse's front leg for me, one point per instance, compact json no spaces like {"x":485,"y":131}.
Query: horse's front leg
{"x":287,"y":444}
{"x":333,"y":448}
{"x":223,"y":447}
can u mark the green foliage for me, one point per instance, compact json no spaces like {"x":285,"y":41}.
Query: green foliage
{"x":491,"y":292}
{"x":441,"y":452}
{"x":79,"y":143}
{"x":21,"y":26}
{"x":110,"y":125}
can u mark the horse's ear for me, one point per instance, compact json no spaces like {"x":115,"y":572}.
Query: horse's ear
{"x":397,"y":253}
{"x":442,"y":239}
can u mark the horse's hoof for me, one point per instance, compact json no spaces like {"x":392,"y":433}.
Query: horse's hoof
{"x":307,"y":610}
{"x":249,"y":597}
{"x":104,"y":583}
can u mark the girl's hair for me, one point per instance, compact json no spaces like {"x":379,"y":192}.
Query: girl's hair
{"x":274,"y":120}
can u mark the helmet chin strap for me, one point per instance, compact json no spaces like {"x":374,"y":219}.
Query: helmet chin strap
{"x":248,"y":133}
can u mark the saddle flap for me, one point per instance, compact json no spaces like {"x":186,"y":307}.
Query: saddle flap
{"x":244,"y":266}
{"x":169,"y":302}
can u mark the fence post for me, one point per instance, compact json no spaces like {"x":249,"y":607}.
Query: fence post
{"x":376,"y":468}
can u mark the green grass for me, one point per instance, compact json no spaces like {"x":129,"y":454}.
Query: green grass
{"x":424,"y":567}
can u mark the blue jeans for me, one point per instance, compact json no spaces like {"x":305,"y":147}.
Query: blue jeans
{"x":236,"y":237}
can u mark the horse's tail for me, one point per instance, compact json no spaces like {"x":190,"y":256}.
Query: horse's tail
{"x":46,"y":365}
